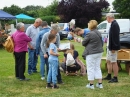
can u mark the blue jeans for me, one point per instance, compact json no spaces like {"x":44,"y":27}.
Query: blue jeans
{"x":52,"y":74}
{"x":32,"y":61}
{"x":43,"y":61}
{"x":69,"y":38}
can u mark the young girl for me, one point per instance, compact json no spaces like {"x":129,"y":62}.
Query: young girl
{"x":53,"y":62}
{"x":75,"y":67}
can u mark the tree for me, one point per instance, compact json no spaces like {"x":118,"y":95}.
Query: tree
{"x":32,"y":7}
{"x":81,"y":10}
{"x":14,"y":10}
{"x":50,"y":9}
{"x":122,"y":7}
{"x":33,"y":11}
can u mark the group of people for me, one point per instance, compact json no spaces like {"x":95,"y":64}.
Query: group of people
{"x":46,"y":44}
{"x":35,"y":43}
{"x":93,"y":44}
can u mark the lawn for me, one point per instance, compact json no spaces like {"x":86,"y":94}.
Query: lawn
{"x":74,"y":85}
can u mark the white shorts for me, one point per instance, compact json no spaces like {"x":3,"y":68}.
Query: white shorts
{"x":112,"y":57}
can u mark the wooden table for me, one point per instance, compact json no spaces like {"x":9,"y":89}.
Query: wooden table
{"x":127,"y":64}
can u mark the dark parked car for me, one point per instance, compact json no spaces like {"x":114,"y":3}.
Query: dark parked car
{"x":63,"y":34}
{"x":125,"y":41}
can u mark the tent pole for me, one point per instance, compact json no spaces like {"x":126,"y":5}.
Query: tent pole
{"x":16,"y":21}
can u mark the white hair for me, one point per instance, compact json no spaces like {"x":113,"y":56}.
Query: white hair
{"x":38,"y":20}
{"x":111,"y":15}
{"x":72,"y":22}
{"x":55,"y":27}
{"x":19,"y":25}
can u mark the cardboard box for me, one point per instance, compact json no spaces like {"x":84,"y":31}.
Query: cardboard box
{"x":123,"y":54}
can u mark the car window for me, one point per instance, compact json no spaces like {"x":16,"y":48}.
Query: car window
{"x":62,"y":25}
{"x":102,"y":26}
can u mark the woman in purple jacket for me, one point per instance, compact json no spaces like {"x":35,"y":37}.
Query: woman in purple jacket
{"x":20,"y":48}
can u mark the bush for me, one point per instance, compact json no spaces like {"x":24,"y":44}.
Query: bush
{"x":3,"y":37}
{"x":51,"y":19}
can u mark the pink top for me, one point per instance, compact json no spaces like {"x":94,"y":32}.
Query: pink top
{"x":20,"y":41}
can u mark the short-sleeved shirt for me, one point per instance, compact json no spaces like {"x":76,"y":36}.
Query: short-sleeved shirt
{"x":76,"y":54}
{"x":32,"y":32}
{"x":53,"y":47}
{"x":86,"y":30}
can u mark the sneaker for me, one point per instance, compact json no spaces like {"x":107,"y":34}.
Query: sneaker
{"x":88,"y":86}
{"x":42,"y":78}
{"x":55,"y":87}
{"x":99,"y":86}
{"x":107,"y":78}
{"x":49,"y":86}
{"x":113,"y":80}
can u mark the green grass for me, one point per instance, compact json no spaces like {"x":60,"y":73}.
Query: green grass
{"x":74,"y":85}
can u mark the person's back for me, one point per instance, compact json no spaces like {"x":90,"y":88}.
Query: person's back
{"x":114,"y":31}
{"x":20,"y":48}
{"x":39,"y":39}
{"x":43,"y":31}
{"x":53,"y":62}
{"x":52,"y":57}
{"x":43,"y":60}
{"x":20,"y":41}
{"x":86,"y":31}
{"x":94,"y":43}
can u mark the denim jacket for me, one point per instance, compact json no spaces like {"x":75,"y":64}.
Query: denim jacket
{"x":39,"y":38}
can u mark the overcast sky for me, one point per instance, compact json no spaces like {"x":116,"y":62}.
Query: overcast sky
{"x":24,"y":3}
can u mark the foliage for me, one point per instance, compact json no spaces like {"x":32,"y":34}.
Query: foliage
{"x":14,"y":10}
{"x":81,"y":10}
{"x":51,"y":19}
{"x":122,"y":7}
{"x":49,"y":10}
{"x":32,"y":7}
{"x":33,"y":10}
{"x":3,"y":37}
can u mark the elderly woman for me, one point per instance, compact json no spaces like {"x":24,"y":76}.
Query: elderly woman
{"x":20,"y":48}
{"x":93,"y":53}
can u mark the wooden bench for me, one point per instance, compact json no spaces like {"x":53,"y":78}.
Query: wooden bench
{"x":127,"y":64}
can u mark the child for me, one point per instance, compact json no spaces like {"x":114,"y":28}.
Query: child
{"x":53,"y":62}
{"x":75,"y":67}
